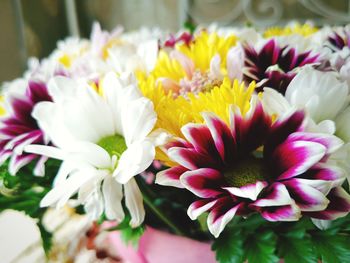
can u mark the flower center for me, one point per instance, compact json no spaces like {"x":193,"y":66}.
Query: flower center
{"x":200,"y":82}
{"x":113,"y":144}
{"x":247,"y":171}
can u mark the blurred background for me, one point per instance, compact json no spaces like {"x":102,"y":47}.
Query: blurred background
{"x":32,"y":27}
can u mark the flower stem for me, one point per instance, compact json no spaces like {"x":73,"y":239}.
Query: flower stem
{"x":162,"y":216}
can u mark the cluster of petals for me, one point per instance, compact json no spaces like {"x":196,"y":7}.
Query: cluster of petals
{"x":18,"y":128}
{"x":76,"y":121}
{"x":285,"y":169}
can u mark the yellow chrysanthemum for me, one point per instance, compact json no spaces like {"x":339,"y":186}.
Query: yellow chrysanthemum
{"x":189,"y":65}
{"x":205,"y":47}
{"x":174,"y":113}
{"x":298,"y":29}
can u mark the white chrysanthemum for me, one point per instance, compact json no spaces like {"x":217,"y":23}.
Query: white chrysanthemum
{"x":321,"y":94}
{"x":102,"y":139}
{"x":325,"y":100}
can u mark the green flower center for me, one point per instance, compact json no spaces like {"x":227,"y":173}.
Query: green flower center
{"x":114,"y":144}
{"x":247,"y":171}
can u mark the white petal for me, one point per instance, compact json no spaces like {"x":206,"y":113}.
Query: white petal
{"x":61,"y":193}
{"x":138,"y":120}
{"x":113,"y":195}
{"x":137,"y":158}
{"x":90,"y":153}
{"x":312,"y":90}
{"x":321,"y":224}
{"x":235,"y":62}
{"x":134,"y":203}
{"x":49,"y":151}
{"x":215,"y":70}
{"x":274,"y":102}
{"x":249,"y":191}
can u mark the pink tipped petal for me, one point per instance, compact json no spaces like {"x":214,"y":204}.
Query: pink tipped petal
{"x":39,"y":169}
{"x":220,"y":216}
{"x":339,"y":205}
{"x":281,"y":213}
{"x":321,"y":185}
{"x":171,"y":176}
{"x":250,"y":191}
{"x":285,"y":125}
{"x":18,"y":161}
{"x":190,"y":158}
{"x":276,"y":195}
{"x":200,"y":137}
{"x":222,"y":136}
{"x":326,"y":172}
{"x":199,"y":207}
{"x":251,"y":131}
{"x":204,"y":182}
{"x":331,"y":142}
{"x":305,"y":196}
{"x":294,"y":158}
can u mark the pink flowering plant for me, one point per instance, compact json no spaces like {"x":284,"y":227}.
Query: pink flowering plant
{"x":234,"y":137}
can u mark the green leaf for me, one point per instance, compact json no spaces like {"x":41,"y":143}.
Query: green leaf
{"x":46,"y":238}
{"x":132,"y":235}
{"x":127,"y":233}
{"x":260,"y":247}
{"x":296,"y":246}
{"x":332,"y":248}
{"x":229,"y":246}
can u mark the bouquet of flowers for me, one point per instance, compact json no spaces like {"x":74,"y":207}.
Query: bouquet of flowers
{"x":235,"y":137}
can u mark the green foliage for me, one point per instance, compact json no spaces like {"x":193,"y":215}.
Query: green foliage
{"x":296,"y":246}
{"x":229,"y":247}
{"x":257,"y":241}
{"x":24,"y":191}
{"x":260,"y":248}
{"x":332,"y":248}
{"x":129,"y":234}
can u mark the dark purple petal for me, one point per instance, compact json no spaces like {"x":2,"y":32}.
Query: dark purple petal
{"x":339,"y":205}
{"x":252,"y":130}
{"x":37,"y":91}
{"x":281,"y":129}
{"x":222,"y":213}
{"x":222,"y":136}
{"x":204,"y":182}
{"x":281,"y":213}
{"x":305,"y":196}
{"x":171,"y":176}
{"x":200,"y":137}
{"x":199,"y":207}
{"x":296,"y":157}
{"x":190,"y":158}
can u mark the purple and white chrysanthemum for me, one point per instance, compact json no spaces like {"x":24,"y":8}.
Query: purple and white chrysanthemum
{"x":253,"y":165}
{"x":338,"y":40}
{"x":274,"y":66}
{"x":19,"y":129}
